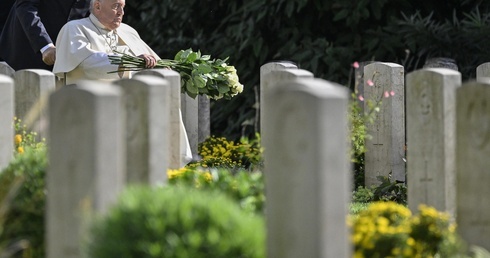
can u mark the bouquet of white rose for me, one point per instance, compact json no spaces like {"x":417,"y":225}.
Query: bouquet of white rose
{"x":200,"y":74}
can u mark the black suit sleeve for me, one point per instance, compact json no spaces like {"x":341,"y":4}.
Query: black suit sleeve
{"x":28,"y":15}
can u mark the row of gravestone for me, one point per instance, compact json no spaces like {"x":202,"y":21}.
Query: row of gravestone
{"x":101,"y":136}
{"x":304,"y":132}
{"x":33,"y":86}
{"x":447,"y":143}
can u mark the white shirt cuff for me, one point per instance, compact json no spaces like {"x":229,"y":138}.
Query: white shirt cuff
{"x":46,"y":47}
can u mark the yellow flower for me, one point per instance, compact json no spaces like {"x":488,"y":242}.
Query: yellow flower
{"x":18,"y":139}
{"x":20,"y":149}
{"x":207,"y":176}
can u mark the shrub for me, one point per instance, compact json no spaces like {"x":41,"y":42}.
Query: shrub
{"x":176,"y":222}
{"x":245,"y":187}
{"x":24,"y":220}
{"x":26,"y":139}
{"x":219,"y":152}
{"x":388,"y":229}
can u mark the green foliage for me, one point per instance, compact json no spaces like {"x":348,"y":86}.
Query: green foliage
{"x":323,"y":37}
{"x":177,"y":222}
{"x":26,"y":139}
{"x":363,"y":194}
{"x":390,"y":191}
{"x":245,"y":187}
{"x":220,"y":152}
{"x":388,"y":229}
{"x":24,"y":219}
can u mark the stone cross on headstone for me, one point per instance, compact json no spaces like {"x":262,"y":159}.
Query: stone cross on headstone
{"x":473,"y":163}
{"x":307,"y":174}
{"x":32,"y":88}
{"x":147,"y":101}
{"x":86,"y":161}
{"x":173,"y":77}
{"x":431,"y":129}
{"x":483,"y":72}
{"x":386,"y":150}
{"x":7,"y":120}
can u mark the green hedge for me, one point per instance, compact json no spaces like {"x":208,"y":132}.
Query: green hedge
{"x":177,"y":222}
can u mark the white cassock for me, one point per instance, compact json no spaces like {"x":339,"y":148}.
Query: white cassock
{"x":82,"y":50}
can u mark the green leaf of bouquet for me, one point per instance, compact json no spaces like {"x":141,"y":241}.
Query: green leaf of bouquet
{"x":193,"y":56}
{"x":204,"y":68}
{"x":178,"y":56}
{"x":223,"y":88}
{"x":205,"y":57}
{"x":185,"y":54}
{"x":190,"y":87}
{"x":199,"y":81}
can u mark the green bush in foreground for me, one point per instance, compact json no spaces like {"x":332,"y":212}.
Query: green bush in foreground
{"x":176,"y":222}
{"x":24,"y":218}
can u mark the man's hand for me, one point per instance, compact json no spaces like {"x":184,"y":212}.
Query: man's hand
{"x":49,"y":55}
{"x":151,"y":61}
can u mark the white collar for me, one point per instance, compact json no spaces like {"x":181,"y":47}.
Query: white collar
{"x":98,"y":24}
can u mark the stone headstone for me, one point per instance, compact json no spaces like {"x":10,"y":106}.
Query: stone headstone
{"x":473,"y":163}
{"x":483,"y":71}
{"x":190,"y":116}
{"x":173,"y":77}
{"x":441,"y":62}
{"x":264,"y":70}
{"x":431,"y":130}
{"x":32,"y":88}
{"x":5,"y":69}
{"x":273,"y":79}
{"x":147,"y":100}
{"x":86,"y":161}
{"x":385,"y":151}
{"x":307,"y":172}
{"x":7,"y":118}
{"x":204,"y":119}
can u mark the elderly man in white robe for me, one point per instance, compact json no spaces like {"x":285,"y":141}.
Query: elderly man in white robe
{"x":84,"y":45}
{"x":83,"y":48}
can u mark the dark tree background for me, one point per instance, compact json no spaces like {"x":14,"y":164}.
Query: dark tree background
{"x":324,"y":37}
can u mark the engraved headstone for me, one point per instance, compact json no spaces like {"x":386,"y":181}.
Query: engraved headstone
{"x":385,"y":151}
{"x":307,"y":174}
{"x":431,"y":130}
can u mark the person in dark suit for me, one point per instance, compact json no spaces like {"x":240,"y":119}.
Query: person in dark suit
{"x":27,"y":39}
{"x":5,"y":6}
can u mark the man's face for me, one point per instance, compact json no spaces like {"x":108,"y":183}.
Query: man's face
{"x":109,"y":12}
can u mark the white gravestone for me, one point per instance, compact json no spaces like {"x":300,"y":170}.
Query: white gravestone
{"x":431,"y":130}
{"x":147,"y":100}
{"x":307,"y":174}
{"x":7,"y":120}
{"x":173,"y":77}
{"x":385,"y":152}
{"x":273,"y":79}
{"x":483,"y":72}
{"x":473,"y":163}
{"x":32,"y":88}
{"x":86,"y":161}
{"x":5,"y":69}
{"x":265,"y":70}
{"x":190,"y":116}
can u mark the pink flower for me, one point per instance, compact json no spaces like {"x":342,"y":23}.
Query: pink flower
{"x":355,"y":64}
{"x":370,"y":83}
{"x":361,"y":98}
{"x":392,"y":93}
{"x":387,"y":94}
